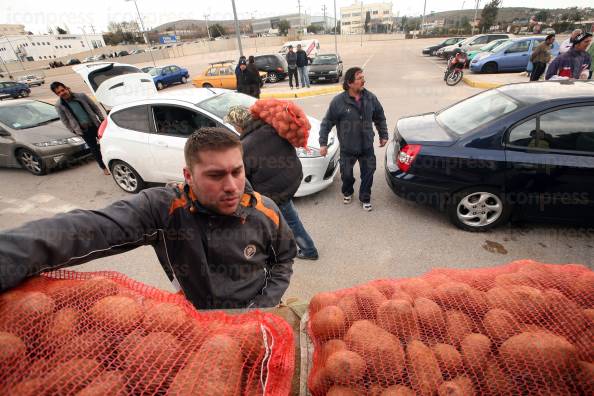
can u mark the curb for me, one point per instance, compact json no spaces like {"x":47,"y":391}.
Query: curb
{"x":304,"y":94}
{"x":481,"y":84}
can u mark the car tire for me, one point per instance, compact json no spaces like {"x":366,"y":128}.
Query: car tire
{"x":273,"y":77}
{"x":206,"y":85}
{"x":31,"y":162}
{"x":490,"y":68}
{"x":184,"y":80}
{"x":24,"y":93}
{"x":492,"y":209}
{"x":160,"y":86}
{"x":126,"y":177}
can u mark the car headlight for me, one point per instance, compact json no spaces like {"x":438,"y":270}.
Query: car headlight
{"x":309,"y":152}
{"x":75,"y":140}
{"x":332,"y":72}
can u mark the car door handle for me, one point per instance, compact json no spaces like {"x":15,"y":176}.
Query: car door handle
{"x":161,"y":144}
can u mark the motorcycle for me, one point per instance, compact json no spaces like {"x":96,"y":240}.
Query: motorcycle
{"x":455,"y":69}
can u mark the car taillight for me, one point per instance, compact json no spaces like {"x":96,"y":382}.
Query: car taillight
{"x":407,"y":155}
{"x":280,"y":69}
{"x":101,"y":129}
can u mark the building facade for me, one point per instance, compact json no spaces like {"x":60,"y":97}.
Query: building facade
{"x":270,"y":25}
{"x":47,"y":46}
{"x":352,"y":18}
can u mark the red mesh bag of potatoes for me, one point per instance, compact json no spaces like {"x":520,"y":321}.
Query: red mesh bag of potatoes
{"x":288,"y":119}
{"x":524,"y":328}
{"x":70,"y":333}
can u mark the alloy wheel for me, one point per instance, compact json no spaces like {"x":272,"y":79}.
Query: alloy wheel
{"x":479,"y":209}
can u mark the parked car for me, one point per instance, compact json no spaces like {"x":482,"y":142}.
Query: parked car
{"x":88,"y":59}
{"x":275,"y":66}
{"x":220,"y":75}
{"x":14,"y":89}
{"x":143,"y":137}
{"x":33,"y":137}
{"x":311,"y":47}
{"x":137,"y":51}
{"x":432,"y":50}
{"x":474,"y":43}
{"x":122,"y":53}
{"x":32,"y":80}
{"x":524,"y":149}
{"x":509,"y":57}
{"x":164,"y":76}
{"x":489,"y":47}
{"x":326,"y":67}
{"x":99,"y":57}
{"x":548,"y":31}
{"x":73,"y":61}
{"x":146,"y":69}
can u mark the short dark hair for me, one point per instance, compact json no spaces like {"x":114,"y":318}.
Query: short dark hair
{"x":550,"y":36}
{"x":349,"y":77}
{"x":251,"y":59}
{"x":205,"y":139}
{"x":55,"y":85}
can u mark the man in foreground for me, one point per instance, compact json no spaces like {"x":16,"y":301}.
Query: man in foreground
{"x":575,"y":63}
{"x":221,"y":243}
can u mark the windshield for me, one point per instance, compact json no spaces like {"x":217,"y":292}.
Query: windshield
{"x":476,"y":111}
{"x":325,"y":60}
{"x":220,"y":105}
{"x":155,"y":71}
{"x":27,"y":115}
{"x":500,"y":46}
{"x":493,"y":45}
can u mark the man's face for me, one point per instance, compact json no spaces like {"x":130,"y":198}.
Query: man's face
{"x":242,"y":67}
{"x":299,"y":48}
{"x":584,"y":44}
{"x":551,"y":41}
{"x":359,"y":82}
{"x":63,"y":92}
{"x":290,"y":49}
{"x":218,"y":180}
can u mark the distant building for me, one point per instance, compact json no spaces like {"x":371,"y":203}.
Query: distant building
{"x":352,"y":18}
{"x":47,"y":46}
{"x":269,"y":25}
{"x":12,"y":30}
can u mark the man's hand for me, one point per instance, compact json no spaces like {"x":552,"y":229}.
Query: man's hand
{"x":383,"y":142}
{"x":324,"y":151}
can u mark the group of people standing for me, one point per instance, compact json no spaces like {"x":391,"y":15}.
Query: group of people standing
{"x":298,"y":62}
{"x":248,"y":77}
{"x":574,"y":60}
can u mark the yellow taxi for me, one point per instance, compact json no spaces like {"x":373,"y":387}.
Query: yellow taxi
{"x":220,"y":75}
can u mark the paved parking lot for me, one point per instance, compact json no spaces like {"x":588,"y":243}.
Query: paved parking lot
{"x":397,"y":239}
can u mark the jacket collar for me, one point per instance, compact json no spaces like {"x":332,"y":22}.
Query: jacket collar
{"x":247,"y":200}
{"x":251,"y":127}
{"x":74,"y":96}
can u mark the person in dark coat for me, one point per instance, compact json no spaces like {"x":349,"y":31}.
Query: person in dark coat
{"x":237,"y":69}
{"x":274,"y":170}
{"x":292,"y":66}
{"x":354,"y":112}
{"x":246,"y":79}
{"x":302,"y":65}
{"x":251,"y":67}
{"x":575,"y":62}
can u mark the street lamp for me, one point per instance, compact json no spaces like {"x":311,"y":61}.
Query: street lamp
{"x":237,"y":32}
{"x":475,"y":15}
{"x":143,"y":32}
{"x":14,"y":52}
{"x":87,"y":40}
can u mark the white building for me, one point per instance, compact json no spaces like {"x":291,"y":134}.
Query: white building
{"x":47,"y":46}
{"x":352,"y":18}
{"x":10,"y":30}
{"x":269,"y":25}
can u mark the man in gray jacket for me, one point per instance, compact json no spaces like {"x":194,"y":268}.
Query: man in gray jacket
{"x":354,"y":112}
{"x":221,"y":243}
{"x":81,"y":116}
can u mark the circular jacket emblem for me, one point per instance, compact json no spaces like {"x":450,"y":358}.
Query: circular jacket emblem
{"x":249,"y":251}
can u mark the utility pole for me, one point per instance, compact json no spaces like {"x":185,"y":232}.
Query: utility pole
{"x":207,"y":28}
{"x":325,"y":20}
{"x":362,"y":23}
{"x":255,"y":38}
{"x":14,"y":52}
{"x":335,"y":30}
{"x":237,"y":32}
{"x":424,"y":13}
{"x":299,"y":5}
{"x":87,"y":40}
{"x":475,"y":15}
{"x":144,"y":34}
{"x":6,"y":67}
{"x":93,"y":28}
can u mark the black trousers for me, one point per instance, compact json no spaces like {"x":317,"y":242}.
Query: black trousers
{"x":90,"y":138}
{"x":537,"y":71}
{"x":367,"y":165}
{"x":293,"y":73}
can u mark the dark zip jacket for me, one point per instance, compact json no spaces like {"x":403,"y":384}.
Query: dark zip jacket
{"x":239,"y":261}
{"x":354,"y":122}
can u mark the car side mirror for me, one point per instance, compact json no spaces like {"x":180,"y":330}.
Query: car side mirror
{"x":460,"y":45}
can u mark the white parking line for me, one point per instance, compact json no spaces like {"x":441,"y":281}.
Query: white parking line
{"x":367,"y":61}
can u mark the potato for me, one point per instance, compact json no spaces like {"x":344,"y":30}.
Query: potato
{"x":117,"y":314}
{"x":12,"y":350}
{"x":345,"y":367}
{"x":398,"y":390}
{"x":585,"y":377}
{"x":583,"y":290}
{"x":538,"y":356}
{"x":63,"y":327}
{"x":438,"y":279}
{"x":369,"y":300}
{"x":322,"y":300}
{"x":319,"y":382}
{"x":30,"y":387}
{"x":449,"y":359}
{"x":28,"y":315}
{"x":350,"y":307}
{"x":585,"y":345}
{"x":458,"y":325}
{"x":251,"y":339}
{"x":525,"y":303}
{"x":339,"y":390}
{"x":460,"y":296}
{"x":417,"y":287}
{"x":331,"y":347}
{"x":496,"y":382}
{"x":381,"y":350}
{"x":459,"y":386}
{"x":108,"y":383}
{"x":387,"y":289}
{"x":500,"y":325}
{"x":526,"y":278}
{"x":129,"y":344}
{"x":423,"y":369}
{"x":65,"y":293}
{"x":399,"y":318}
{"x":430,"y":317}
{"x":589,"y":313}
{"x":81,"y":293}
{"x":165,"y":317}
{"x":476,"y":353}
{"x":402,"y":295}
{"x":328,"y":323}
{"x":90,"y":345}
{"x":72,"y":376}
{"x":39,"y":367}
{"x":563,"y":315}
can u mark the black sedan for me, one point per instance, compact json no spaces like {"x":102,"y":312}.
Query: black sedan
{"x":325,"y":68}
{"x":526,"y":149}
{"x":431,"y":50}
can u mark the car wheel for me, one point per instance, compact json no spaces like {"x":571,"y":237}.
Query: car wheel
{"x":31,"y":162}
{"x":490,"y":67}
{"x":126,"y":177}
{"x":23,"y":93}
{"x":272,"y":77}
{"x":184,"y":80}
{"x":478,"y":209}
{"x":160,"y":86}
{"x":207,"y":85}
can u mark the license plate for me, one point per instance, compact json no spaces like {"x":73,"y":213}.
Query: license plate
{"x":322,"y":78}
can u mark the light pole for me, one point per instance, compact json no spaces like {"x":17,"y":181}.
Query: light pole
{"x":237,"y":32}
{"x":424,"y":13}
{"x":14,"y":52}
{"x":144,"y":34}
{"x":207,"y":28}
{"x":362,"y":24}
{"x":335,"y":30}
{"x":87,"y":40}
{"x":475,"y":15}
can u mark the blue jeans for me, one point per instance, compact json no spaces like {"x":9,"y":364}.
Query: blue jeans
{"x":304,"y":241}
{"x":303,"y":72}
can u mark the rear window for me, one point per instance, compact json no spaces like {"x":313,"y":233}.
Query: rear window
{"x":476,"y":111}
{"x":98,"y":77}
{"x":134,"y":118}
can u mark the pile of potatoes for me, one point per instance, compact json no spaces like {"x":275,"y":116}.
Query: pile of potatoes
{"x":527,"y":332}
{"x":95,"y":337}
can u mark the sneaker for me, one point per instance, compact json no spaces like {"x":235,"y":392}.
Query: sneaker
{"x":301,"y":256}
{"x":367,"y":206}
{"x":347,"y":199}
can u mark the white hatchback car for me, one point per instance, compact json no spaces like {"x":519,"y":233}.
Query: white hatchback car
{"x":143,"y":137}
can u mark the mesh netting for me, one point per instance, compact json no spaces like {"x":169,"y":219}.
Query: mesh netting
{"x":69,"y":333}
{"x":287,"y":118}
{"x":524,"y":328}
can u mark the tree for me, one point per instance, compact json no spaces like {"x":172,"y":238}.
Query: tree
{"x":217,"y":30}
{"x":367,"y":20}
{"x":315,"y":29}
{"x":60,"y":30}
{"x":489,"y":15}
{"x":403,"y":22}
{"x":283,"y":27}
{"x":543,"y":15}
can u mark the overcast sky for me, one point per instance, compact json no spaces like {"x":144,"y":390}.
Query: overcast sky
{"x":37,"y":15}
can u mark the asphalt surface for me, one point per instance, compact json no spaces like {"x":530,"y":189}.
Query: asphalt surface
{"x":396,"y":239}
